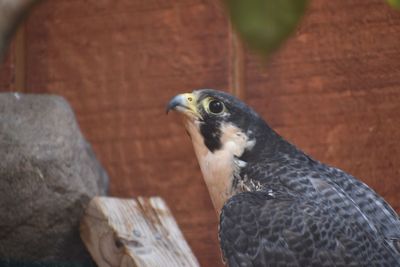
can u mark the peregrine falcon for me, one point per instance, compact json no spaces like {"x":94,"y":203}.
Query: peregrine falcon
{"x":277,"y":205}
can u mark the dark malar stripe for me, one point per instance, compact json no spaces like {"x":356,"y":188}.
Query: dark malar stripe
{"x":211,"y":133}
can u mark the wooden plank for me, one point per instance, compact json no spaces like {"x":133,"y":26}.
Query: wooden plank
{"x":134,"y":233}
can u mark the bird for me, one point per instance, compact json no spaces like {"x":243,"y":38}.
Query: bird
{"x":277,"y":205}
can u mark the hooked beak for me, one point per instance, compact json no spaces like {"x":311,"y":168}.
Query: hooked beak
{"x":184,"y":103}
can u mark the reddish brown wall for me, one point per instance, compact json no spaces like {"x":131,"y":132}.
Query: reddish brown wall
{"x":333,"y":89}
{"x":118,"y":63}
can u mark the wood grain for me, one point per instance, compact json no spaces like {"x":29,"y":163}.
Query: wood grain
{"x":134,"y":233}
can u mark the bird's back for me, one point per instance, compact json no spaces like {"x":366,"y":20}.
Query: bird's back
{"x":297,"y":188}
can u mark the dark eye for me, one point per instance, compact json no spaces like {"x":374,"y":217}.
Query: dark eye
{"x":216,"y":106}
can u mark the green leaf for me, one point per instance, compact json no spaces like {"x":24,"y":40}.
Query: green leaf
{"x":265,"y":24}
{"x":394,"y":3}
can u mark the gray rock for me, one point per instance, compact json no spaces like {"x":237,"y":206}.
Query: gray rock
{"x":48,"y":173}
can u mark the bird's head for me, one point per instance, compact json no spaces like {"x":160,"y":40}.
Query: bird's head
{"x":222,"y":129}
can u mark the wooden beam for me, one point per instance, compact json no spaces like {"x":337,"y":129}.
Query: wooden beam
{"x":236,"y":64}
{"x":134,"y":233}
{"x":19,"y":51}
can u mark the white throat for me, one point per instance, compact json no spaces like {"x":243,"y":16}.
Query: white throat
{"x":220,"y":167}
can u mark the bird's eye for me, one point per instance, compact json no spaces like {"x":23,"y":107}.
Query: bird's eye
{"x":216,"y":106}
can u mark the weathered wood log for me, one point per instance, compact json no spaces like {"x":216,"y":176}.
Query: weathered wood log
{"x":134,"y":233}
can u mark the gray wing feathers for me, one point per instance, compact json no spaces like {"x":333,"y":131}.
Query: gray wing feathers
{"x":260,"y":229}
{"x":380,"y":213}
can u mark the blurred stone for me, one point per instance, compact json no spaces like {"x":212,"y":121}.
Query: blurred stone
{"x":48,"y":174}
